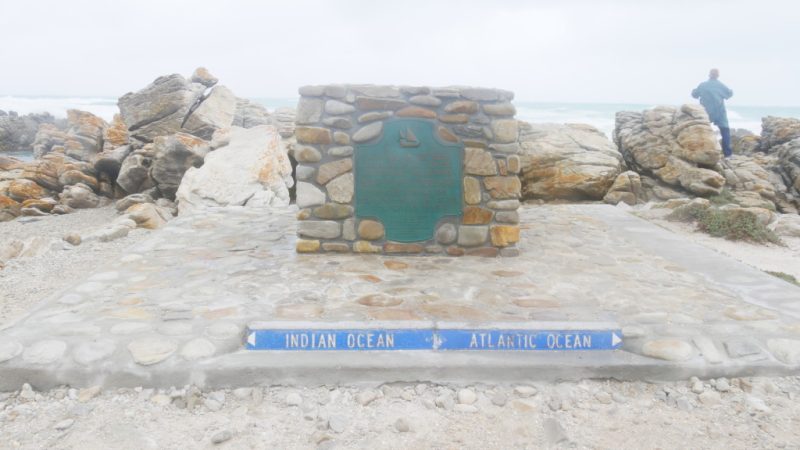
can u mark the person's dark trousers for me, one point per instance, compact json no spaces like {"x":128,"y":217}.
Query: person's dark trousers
{"x":726,"y":141}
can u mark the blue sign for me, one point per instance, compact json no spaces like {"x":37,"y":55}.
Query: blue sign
{"x":367,"y":339}
{"x":336,"y":339}
{"x":515,"y":340}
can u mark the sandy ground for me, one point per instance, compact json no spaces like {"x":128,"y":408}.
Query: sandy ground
{"x":731,"y":414}
{"x":766,"y":257}
{"x":54,"y":264}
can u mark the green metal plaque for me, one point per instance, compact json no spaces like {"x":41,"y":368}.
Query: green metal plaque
{"x":408,"y":179}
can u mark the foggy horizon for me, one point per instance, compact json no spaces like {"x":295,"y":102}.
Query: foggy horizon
{"x":614,"y":52}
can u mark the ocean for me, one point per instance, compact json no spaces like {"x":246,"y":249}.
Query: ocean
{"x":599,"y":115}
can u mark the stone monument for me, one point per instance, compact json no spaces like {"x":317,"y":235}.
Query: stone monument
{"x":414,"y":170}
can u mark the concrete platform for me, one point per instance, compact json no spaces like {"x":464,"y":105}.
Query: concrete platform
{"x":176,"y":309}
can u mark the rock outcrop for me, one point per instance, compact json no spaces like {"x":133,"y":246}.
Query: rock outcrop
{"x":789,"y":162}
{"x":778,"y":130}
{"x":677,"y":146}
{"x":82,"y":139}
{"x":253,"y":169}
{"x":172,"y":156}
{"x":159,"y":109}
{"x":744,"y":142}
{"x":572,"y":161}
{"x":17,"y":133}
{"x":627,"y":188}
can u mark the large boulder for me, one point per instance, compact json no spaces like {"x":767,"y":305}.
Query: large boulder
{"x":116,"y":134}
{"x":627,"y":188}
{"x":253,"y":169}
{"x":789,"y":161}
{"x":571,"y":161}
{"x":134,"y":172}
{"x":215,"y":111}
{"x":744,"y":142}
{"x":82,"y":139}
{"x":675,"y":145}
{"x":79,"y":196}
{"x":160,"y":108}
{"x":17,"y":133}
{"x":778,"y":130}
{"x":56,"y":170}
{"x":9,"y":208}
{"x":173,"y":156}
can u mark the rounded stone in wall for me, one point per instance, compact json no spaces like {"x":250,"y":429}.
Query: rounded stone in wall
{"x":370,"y":230}
{"x":446,"y":234}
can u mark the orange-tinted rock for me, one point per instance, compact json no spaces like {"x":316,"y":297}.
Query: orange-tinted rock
{"x":331,"y":170}
{"x":472,"y":190}
{"x":370,"y":230}
{"x":313,"y":135}
{"x":462,"y":106}
{"x":395,"y":265}
{"x":416,"y":111}
{"x":45,"y":205}
{"x":503,"y":187}
{"x":365,"y":247}
{"x":487,"y":252}
{"x":454,"y":118}
{"x":504,"y":235}
{"x":397,"y":247}
{"x":116,"y":134}
{"x":479,"y":162}
{"x":21,"y":190}
{"x":446,"y":135}
{"x":455,"y":251}
{"x":336,"y":247}
{"x":9,"y":208}
{"x":475,"y":215}
{"x":380,"y":300}
{"x":72,"y":177}
{"x":307,"y":246}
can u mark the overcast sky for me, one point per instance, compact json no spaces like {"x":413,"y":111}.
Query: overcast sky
{"x":624,"y":51}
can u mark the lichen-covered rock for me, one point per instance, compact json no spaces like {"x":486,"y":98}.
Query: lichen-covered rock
{"x":252,"y":170}
{"x":778,"y":130}
{"x":149,"y":215}
{"x":116,"y":134}
{"x":55,"y":170}
{"x":567,"y":161}
{"x":82,"y":139}
{"x":747,"y":175}
{"x":674,"y":145}
{"x":110,"y":161}
{"x":744,"y":142}
{"x":17,"y":133}
{"x":9,"y":208}
{"x":160,"y":108}
{"x":203,"y":76}
{"x":173,"y":155}
{"x":22,"y":189}
{"x":627,"y":188}
{"x":789,"y":161}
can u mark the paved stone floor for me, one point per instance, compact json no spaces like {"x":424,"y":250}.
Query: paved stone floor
{"x":174,"y":309}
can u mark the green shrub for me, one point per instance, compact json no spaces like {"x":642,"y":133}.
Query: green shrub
{"x":733,"y":224}
{"x":785,"y":277}
{"x":723,"y":198}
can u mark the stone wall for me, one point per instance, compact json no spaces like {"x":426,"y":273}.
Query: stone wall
{"x":335,"y":122}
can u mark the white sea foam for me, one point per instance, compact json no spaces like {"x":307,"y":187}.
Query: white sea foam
{"x":58,"y":106}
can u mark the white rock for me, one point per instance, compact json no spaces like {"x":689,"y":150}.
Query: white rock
{"x":9,"y":349}
{"x":337,"y":423}
{"x":294,"y":399}
{"x":709,"y":398}
{"x":525,"y":391}
{"x":221,"y":436}
{"x":603,"y":397}
{"x":470,"y":409}
{"x":243,"y":393}
{"x":309,"y":195}
{"x":152,"y":350}
{"x":668,"y":349}
{"x":467,"y":396}
{"x":364,"y":398}
{"x":401,"y":425}
{"x":786,"y":351}
{"x":253,"y":165}
{"x":44,"y":352}
{"x":89,"y":352}
{"x":197,"y":349}
{"x":722,"y":385}
{"x":64,"y":424}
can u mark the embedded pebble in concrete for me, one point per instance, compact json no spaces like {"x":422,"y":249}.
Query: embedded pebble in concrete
{"x":175,"y":328}
{"x":668,"y":349}
{"x":197,"y":349}
{"x":89,"y":352}
{"x":223,"y":330}
{"x":129,"y":328}
{"x":44,"y":352}
{"x":9,"y":349}
{"x":151,"y":350}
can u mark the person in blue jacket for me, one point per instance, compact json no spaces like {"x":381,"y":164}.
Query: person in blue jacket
{"x":712,"y":95}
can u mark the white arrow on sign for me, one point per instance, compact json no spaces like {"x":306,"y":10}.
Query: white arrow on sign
{"x":251,"y":339}
{"x":615,"y":339}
